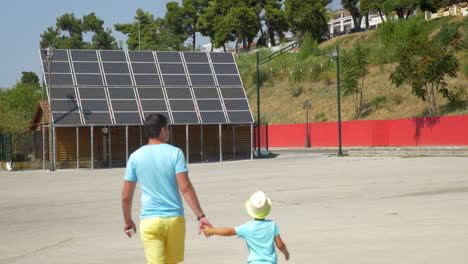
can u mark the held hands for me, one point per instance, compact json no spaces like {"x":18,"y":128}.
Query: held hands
{"x":130,"y":229}
{"x":202,"y":224}
{"x":207,"y":232}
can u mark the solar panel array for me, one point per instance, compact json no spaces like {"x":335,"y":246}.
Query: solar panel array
{"x":104,"y":87}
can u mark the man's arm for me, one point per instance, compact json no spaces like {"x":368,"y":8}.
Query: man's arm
{"x":127,"y":199}
{"x":190,"y":196}
{"x":229,"y":231}
{"x":281,"y":246}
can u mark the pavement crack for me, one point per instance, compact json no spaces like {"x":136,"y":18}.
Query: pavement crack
{"x":30,"y":253}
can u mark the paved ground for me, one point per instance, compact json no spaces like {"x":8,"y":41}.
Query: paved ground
{"x":329,"y":209}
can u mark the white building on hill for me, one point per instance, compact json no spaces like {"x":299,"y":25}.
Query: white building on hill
{"x":342,"y":22}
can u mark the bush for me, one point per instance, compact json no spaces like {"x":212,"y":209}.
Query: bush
{"x":378,"y":100}
{"x":320,"y":117}
{"x":19,"y":157}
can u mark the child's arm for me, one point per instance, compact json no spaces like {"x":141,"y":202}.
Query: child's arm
{"x":219,"y":231}
{"x":281,"y":246}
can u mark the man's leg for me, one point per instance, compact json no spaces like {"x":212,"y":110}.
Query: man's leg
{"x":175,"y":246}
{"x":153,"y":236}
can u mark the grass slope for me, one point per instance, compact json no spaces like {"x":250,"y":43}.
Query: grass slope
{"x":292,"y":78}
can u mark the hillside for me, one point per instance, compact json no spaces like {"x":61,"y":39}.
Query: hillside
{"x":292,"y":78}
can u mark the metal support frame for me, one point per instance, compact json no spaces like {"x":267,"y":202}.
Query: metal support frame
{"x":126,"y":145}
{"x":77,"y":147}
{"x":234,"y":142}
{"x":187,"y":143}
{"x":92,"y":147}
{"x":202,"y":144}
{"x":251,"y":141}
{"x":54,"y":157}
{"x":43,"y":147}
{"x":220,"y":143}
{"x":110,"y":147}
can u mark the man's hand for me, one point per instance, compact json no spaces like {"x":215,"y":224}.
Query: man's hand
{"x":128,"y":226}
{"x":203,"y":223}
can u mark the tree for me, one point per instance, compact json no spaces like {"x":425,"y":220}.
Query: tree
{"x":308,"y":16}
{"x":403,"y":8}
{"x":17,"y":104}
{"x":68,"y":33}
{"x":353,"y":7}
{"x":424,"y":67}
{"x":275,"y":19}
{"x":354,"y":73}
{"x":183,"y":19}
{"x":212,"y":23}
{"x":242,"y":20}
{"x":148,"y":33}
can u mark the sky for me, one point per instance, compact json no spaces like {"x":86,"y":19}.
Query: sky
{"x":23,"y":21}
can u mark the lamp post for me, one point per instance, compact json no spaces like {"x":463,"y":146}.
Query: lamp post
{"x":49,"y":56}
{"x":307,"y":106}
{"x":336,"y":55}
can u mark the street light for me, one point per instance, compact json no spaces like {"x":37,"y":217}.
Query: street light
{"x":336,"y":55}
{"x":50,"y":56}
{"x":307,"y":106}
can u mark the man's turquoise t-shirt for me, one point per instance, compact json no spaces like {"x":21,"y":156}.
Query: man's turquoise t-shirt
{"x":155,"y":167}
{"x":260,"y":239}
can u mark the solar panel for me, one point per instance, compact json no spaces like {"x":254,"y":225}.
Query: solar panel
{"x":209,"y":105}
{"x":240,"y":104}
{"x":221,"y":57}
{"x":202,"y":80}
{"x":66,"y":118}
{"x":89,"y":79}
{"x":172,"y":68}
{"x":141,"y":56}
{"x":134,"y":83}
{"x":175,"y":80}
{"x":94,"y":105}
{"x":62,"y":93}
{"x":153,"y":105}
{"x":86,"y":67}
{"x":148,"y":80}
{"x":240,"y":117}
{"x":179,"y":93}
{"x":92,"y":93}
{"x":206,"y":93}
{"x":185,"y":117}
{"x":212,"y":117}
{"x":225,"y":68}
{"x":92,"y":118}
{"x":118,"y":80}
{"x":144,"y":68}
{"x":57,"y":67}
{"x":110,"y":67}
{"x":59,"y":55}
{"x":233,"y":92}
{"x":165,"y":56}
{"x":199,"y":68}
{"x":112,"y":55}
{"x":124,"y":105}
{"x":70,"y":105}
{"x":121,"y":93}
{"x":229,"y":80}
{"x":195,"y":57}
{"x":151,"y":93}
{"x":182,"y":105}
{"x":130,"y":118}
{"x":83,"y":55}
{"x":59,"y":79}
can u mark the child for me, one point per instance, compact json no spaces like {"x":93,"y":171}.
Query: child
{"x":259,"y":234}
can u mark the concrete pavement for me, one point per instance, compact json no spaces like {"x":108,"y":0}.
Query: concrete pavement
{"x":329,"y":210}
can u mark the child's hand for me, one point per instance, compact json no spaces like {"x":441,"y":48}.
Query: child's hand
{"x":207,"y":231}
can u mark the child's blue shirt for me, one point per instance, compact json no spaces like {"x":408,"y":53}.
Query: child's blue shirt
{"x":260,"y":239}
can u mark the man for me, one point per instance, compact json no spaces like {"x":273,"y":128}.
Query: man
{"x":160,"y":168}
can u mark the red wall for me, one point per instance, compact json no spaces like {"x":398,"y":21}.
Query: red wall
{"x":425,"y":131}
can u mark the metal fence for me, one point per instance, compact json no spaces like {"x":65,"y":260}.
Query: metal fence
{"x":19,"y":147}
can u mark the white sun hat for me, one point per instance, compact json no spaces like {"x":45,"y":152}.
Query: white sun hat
{"x":259,"y":205}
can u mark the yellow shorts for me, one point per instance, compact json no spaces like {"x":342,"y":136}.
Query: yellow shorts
{"x":163,"y":239}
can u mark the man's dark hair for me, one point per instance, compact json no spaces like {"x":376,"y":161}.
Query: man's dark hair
{"x":153,"y":125}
